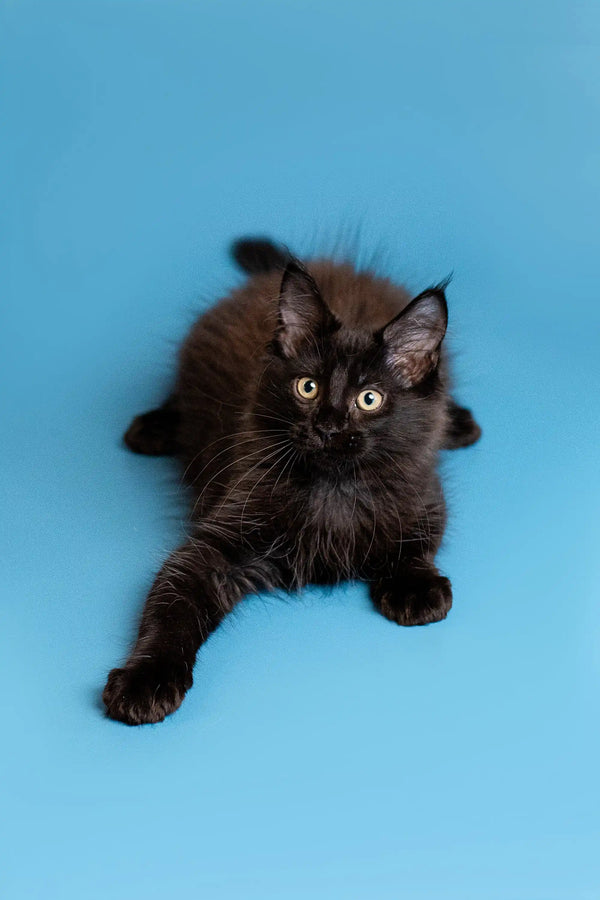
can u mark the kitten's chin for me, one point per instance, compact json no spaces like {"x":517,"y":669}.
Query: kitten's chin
{"x":330,"y":461}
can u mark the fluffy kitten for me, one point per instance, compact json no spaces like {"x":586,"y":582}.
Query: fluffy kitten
{"x":309,"y":410}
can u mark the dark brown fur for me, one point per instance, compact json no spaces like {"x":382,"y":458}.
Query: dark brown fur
{"x":289,"y":491}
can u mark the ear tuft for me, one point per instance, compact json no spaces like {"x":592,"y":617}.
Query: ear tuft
{"x":413,"y":339}
{"x":302,"y":310}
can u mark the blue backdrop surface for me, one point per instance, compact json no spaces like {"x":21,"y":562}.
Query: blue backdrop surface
{"x":323,"y":752}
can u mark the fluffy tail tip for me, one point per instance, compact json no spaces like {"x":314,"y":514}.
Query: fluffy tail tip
{"x":258,"y":254}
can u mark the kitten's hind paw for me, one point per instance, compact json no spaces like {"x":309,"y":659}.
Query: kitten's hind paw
{"x":145,"y":691}
{"x":154,"y":433}
{"x":462,"y":429}
{"x":416,"y":598}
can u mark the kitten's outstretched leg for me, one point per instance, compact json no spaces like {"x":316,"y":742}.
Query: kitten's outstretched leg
{"x":193,"y":592}
{"x":155,"y":433}
{"x":462,"y":430}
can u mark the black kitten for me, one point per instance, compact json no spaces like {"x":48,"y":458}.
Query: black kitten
{"x":309,"y":410}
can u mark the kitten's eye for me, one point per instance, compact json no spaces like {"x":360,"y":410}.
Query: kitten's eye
{"x":307,"y":388}
{"x":369,"y":400}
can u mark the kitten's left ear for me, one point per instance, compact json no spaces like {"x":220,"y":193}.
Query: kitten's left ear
{"x":412,"y":340}
{"x":302,"y":311}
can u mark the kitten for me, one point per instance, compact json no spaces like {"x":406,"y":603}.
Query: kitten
{"x":308,"y":412}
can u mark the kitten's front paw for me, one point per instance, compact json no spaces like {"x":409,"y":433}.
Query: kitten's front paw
{"x":145,"y":691}
{"x":417,"y":598}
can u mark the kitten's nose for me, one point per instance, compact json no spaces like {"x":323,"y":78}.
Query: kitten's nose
{"x":326,"y":431}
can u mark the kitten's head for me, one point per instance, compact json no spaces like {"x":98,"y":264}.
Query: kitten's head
{"x":349,"y":396}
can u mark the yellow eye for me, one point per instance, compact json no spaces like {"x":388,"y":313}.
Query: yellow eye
{"x":307,"y":388}
{"x":369,"y":400}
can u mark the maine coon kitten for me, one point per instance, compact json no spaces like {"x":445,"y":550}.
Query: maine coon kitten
{"x":308,"y":412}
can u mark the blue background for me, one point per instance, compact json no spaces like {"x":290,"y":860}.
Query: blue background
{"x":323,"y":752}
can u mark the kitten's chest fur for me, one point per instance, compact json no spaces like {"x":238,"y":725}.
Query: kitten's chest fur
{"x":335,"y":527}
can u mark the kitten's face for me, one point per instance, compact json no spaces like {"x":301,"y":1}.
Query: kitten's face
{"x":340,"y":402}
{"x":346,"y":398}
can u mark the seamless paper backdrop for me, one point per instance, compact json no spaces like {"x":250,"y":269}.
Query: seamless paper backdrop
{"x":323,"y":752}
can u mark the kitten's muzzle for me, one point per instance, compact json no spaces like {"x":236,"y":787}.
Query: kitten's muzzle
{"x":336,"y":441}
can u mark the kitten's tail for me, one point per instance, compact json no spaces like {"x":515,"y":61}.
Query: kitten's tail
{"x":255,"y":255}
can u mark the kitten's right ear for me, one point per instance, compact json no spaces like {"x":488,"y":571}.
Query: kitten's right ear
{"x":302,"y":311}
